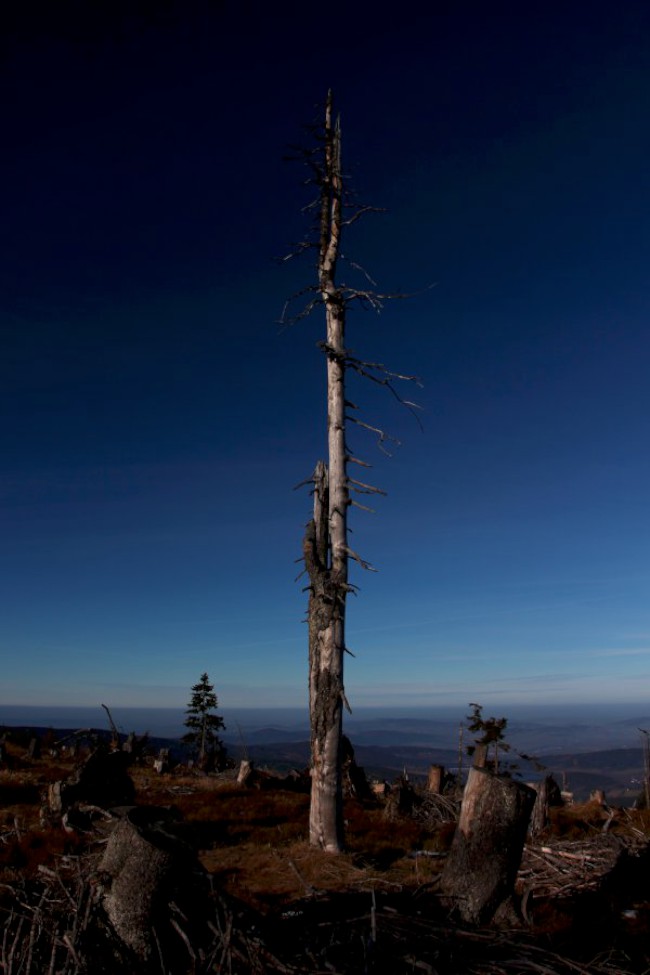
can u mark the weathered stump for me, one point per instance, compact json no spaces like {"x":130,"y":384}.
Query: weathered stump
{"x":161,"y":764}
{"x":245,"y":773}
{"x":401,"y":800}
{"x":102,"y":780}
{"x":435,"y":778}
{"x":144,"y":864}
{"x":481,"y":869}
{"x":548,"y":794}
{"x":353,"y":775}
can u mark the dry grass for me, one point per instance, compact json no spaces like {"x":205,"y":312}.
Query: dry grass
{"x":254,"y":843}
{"x":584,"y":820}
{"x":255,"y":840}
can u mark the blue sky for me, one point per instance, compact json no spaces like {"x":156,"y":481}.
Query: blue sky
{"x":155,"y":418}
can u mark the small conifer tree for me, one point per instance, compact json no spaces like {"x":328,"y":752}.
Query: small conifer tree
{"x":204,"y":723}
{"x":490,"y":732}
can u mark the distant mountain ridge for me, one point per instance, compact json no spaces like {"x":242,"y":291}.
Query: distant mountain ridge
{"x":618,"y":771}
{"x":529,"y":736}
{"x":537,"y":730}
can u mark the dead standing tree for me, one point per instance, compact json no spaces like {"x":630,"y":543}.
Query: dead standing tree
{"x":325,"y":548}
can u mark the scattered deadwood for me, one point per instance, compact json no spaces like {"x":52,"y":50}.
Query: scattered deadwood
{"x":375,"y":932}
{"x":564,"y":868}
{"x":429,"y":809}
{"x":57,"y":924}
{"x":480,"y":872}
{"x":432,"y":810}
{"x":102,"y":780}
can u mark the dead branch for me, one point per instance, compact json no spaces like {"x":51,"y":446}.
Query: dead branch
{"x":363,"y":507}
{"x":557,"y":870}
{"x":359,"y":212}
{"x":362,"y":562}
{"x":382,"y":436}
{"x":365,"y":488}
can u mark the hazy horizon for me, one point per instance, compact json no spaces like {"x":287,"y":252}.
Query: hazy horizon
{"x":168,"y":722}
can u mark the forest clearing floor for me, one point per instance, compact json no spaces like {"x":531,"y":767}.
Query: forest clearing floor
{"x":584,"y":883}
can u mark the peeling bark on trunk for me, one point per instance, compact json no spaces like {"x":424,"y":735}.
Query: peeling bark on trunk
{"x":325,"y":546}
{"x":325,"y":679}
{"x":326,"y":540}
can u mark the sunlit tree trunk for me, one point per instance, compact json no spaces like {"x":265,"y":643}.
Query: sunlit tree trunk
{"x":326,"y":549}
{"x":326,"y":552}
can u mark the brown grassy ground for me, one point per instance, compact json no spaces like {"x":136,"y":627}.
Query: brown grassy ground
{"x":253,"y":841}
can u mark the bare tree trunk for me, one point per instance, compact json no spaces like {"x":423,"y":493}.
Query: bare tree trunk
{"x":202,"y":745}
{"x":326,"y":541}
{"x":325,"y":681}
{"x":325,"y":546}
{"x":480,"y":872}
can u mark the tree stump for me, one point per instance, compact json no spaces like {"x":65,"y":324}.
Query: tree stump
{"x":434,"y":779}
{"x":353,"y":776}
{"x":481,"y":869}
{"x":102,"y":780}
{"x":548,"y":794}
{"x":401,"y":800}
{"x":245,"y":772}
{"x":144,"y":863}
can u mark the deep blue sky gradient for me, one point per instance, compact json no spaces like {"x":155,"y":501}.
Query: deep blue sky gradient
{"x":155,"y":418}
